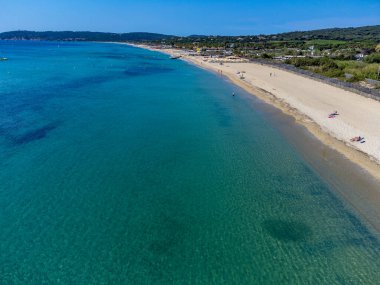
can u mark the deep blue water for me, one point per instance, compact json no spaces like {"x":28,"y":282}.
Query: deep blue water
{"x":121,"y":166}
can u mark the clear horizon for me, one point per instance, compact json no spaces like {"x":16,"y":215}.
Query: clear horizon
{"x":198,"y":17}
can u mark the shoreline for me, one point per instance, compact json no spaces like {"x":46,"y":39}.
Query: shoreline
{"x":361,"y":158}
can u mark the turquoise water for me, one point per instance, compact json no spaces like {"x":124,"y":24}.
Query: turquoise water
{"x":121,"y":166}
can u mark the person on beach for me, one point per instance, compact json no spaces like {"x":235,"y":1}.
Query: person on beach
{"x":333,"y":115}
{"x":357,"y":139}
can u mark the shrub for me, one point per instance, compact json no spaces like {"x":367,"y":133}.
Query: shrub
{"x":334,"y":73}
{"x":328,"y":65}
{"x":373,"y":58}
{"x":355,"y":78}
{"x":266,"y":56}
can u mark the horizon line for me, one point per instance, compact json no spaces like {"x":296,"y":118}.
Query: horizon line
{"x":194,"y":34}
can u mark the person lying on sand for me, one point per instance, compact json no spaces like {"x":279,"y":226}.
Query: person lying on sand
{"x":332,"y":115}
{"x":357,"y":139}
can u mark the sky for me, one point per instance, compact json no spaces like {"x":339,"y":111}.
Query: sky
{"x":207,"y":17}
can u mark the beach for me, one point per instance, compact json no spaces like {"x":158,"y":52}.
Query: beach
{"x":310,"y":102}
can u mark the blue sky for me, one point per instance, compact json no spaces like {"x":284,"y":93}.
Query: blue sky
{"x":239,"y":17}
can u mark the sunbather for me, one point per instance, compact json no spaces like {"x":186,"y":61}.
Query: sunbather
{"x":357,"y":139}
{"x":332,"y":115}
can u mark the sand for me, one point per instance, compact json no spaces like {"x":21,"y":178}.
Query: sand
{"x":310,"y":102}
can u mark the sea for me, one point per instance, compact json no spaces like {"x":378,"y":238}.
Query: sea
{"x":119,"y":165}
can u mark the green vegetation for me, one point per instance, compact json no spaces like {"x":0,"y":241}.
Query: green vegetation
{"x":373,"y":58}
{"x":324,"y":65}
{"x":349,"y":70}
{"x":359,"y":70}
{"x":325,"y":44}
{"x":326,"y":38}
{"x":341,"y":34}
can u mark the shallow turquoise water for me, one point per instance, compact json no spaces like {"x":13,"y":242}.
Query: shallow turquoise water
{"x":121,"y":166}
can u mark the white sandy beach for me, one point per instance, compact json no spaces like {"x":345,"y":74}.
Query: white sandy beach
{"x":311,"y":102}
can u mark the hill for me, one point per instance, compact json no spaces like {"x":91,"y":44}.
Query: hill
{"x":343,"y":34}
{"x":367,"y":33}
{"x":82,"y":36}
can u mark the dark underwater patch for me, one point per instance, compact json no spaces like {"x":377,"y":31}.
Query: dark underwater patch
{"x":148,"y":57}
{"x":146,"y":70}
{"x":288,"y":231}
{"x":288,"y":195}
{"x":329,"y":245}
{"x":115,"y":56}
{"x":56,"y":78}
{"x":315,"y":191}
{"x":35,"y":98}
{"x":168,"y":236}
{"x":367,"y":236}
{"x":324,"y":247}
{"x":34,"y":135}
{"x":223,"y":116}
{"x":86,"y":81}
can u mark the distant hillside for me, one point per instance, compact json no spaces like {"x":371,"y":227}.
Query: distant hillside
{"x":82,"y":36}
{"x":349,"y":42}
{"x":344,"y":34}
{"x":371,"y":33}
{"x":367,"y":33}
